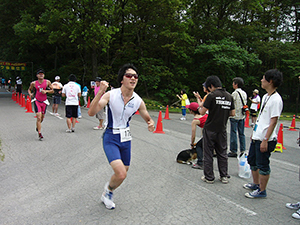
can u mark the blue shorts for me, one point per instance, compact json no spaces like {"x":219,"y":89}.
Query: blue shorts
{"x":56,"y":99}
{"x":115,"y":149}
{"x":260,"y":160}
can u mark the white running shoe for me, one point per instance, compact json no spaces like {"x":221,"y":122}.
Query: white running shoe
{"x":107,"y":198}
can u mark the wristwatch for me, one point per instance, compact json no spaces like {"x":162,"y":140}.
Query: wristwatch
{"x":266,"y":139}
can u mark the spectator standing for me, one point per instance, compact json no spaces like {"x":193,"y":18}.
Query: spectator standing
{"x":79,"y":109}
{"x":237,"y":122}
{"x":71,"y":91}
{"x":19,"y":85}
{"x":9,"y":84}
{"x":85,"y":91}
{"x":264,"y":136}
{"x":220,"y":105}
{"x":255,"y":102}
{"x":184,"y":99}
{"x":3,"y":82}
{"x":57,"y":88}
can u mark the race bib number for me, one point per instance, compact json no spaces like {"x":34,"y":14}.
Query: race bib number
{"x":125,"y":134}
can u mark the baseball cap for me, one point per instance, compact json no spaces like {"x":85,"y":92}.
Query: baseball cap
{"x":57,"y":78}
{"x":98,"y":79}
{"x":193,"y":106}
{"x":256,"y":91}
{"x":40,"y":71}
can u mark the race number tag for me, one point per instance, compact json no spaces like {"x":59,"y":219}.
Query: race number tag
{"x":125,"y":134}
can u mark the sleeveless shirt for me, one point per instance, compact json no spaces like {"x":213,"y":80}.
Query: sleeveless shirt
{"x":118,"y":115}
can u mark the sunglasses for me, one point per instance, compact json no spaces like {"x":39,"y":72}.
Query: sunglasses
{"x":130,"y":75}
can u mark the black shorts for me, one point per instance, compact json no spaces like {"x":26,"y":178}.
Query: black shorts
{"x":71,"y":111}
{"x":253,"y":113}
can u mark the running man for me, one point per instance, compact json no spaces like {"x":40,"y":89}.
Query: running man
{"x":39,"y":89}
{"x":122,"y":104}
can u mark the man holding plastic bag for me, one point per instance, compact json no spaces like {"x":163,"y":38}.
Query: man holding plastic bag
{"x":264,"y":136}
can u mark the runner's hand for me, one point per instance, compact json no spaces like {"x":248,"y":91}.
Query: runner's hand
{"x":151,"y":125}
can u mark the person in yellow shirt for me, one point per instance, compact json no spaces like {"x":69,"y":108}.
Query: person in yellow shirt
{"x":184,"y":100}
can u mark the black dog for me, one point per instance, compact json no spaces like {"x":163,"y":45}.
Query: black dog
{"x":187,"y":156}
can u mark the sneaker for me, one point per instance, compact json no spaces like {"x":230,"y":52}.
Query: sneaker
{"x":197,"y":166}
{"x":207,"y":181}
{"x":56,"y":114}
{"x":68,"y":131}
{"x":251,"y":186}
{"x":98,"y":128}
{"x":224,"y":180}
{"x":232,"y":154}
{"x":296,"y":215}
{"x":51,"y":113}
{"x":73,"y":129}
{"x":182,"y":118}
{"x":107,"y":198}
{"x":79,"y":117}
{"x":41,"y":136}
{"x":293,"y":205}
{"x":256,"y":194}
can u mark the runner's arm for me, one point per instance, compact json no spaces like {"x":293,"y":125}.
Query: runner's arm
{"x":99,"y":102}
{"x":145,"y":115}
{"x":30,"y":89}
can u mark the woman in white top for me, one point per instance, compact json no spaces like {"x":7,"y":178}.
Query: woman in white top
{"x":255,"y":102}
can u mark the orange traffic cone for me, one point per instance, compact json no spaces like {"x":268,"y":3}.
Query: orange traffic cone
{"x":72,"y":120}
{"x":247,"y":120}
{"x":280,"y":136}
{"x":29,"y":107}
{"x":89,"y":102}
{"x":293,"y":125}
{"x":159,"y":126}
{"x":167,"y":114}
{"x":23,"y":101}
{"x":13,"y":95}
{"x":137,"y":113}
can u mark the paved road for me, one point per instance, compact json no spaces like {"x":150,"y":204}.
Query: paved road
{"x":60,"y":180}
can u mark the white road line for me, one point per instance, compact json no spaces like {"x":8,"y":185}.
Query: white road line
{"x":54,"y":115}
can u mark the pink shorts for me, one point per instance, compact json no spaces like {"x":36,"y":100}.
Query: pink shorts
{"x":40,"y":107}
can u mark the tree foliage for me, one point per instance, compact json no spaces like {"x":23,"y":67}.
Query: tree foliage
{"x":174,"y":43}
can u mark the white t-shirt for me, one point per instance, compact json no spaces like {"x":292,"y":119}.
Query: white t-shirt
{"x":271,"y":106}
{"x":253,"y":105}
{"x":71,"y":90}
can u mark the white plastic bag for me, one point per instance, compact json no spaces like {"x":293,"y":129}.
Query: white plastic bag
{"x":187,"y":102}
{"x":244,"y":167}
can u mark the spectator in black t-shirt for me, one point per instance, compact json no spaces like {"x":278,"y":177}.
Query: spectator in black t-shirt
{"x":220,"y":105}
